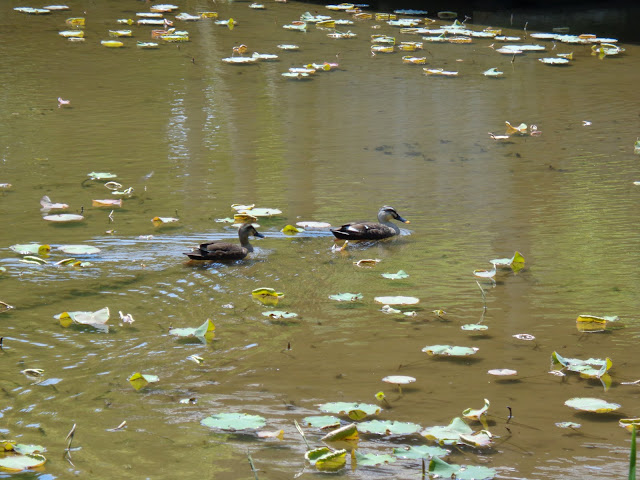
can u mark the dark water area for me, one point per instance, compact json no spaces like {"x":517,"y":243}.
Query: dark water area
{"x":192,"y":135}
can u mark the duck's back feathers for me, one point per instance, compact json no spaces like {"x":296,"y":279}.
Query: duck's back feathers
{"x":363,"y":231}
{"x":220,"y":251}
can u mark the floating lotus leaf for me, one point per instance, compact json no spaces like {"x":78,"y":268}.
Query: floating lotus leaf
{"x":346,"y":297}
{"x":63,"y":217}
{"x":399,"y":300}
{"x":97,"y":319}
{"x":312,"y":455}
{"x":389,"y":309}
{"x":348,"y":432}
{"x":524,"y":336}
{"x":594,"y":405}
{"x":322,"y":421}
{"x":277,"y":314}
{"x":34,"y":260}
{"x":234,"y":421}
{"x":284,"y":46}
{"x":101,"y":175}
{"x":31,"y":249}
{"x":398,"y":379}
{"x":474,"y":327}
{"x":396,"y":276}
{"x":493,"y":72}
{"x":389,"y":427}
{"x":568,"y":425}
{"x":17,"y":463}
{"x":366,"y":262}
{"x":370,"y":459}
{"x":630,"y":423}
{"x":332,"y":461}
{"x":79,"y":249}
{"x":346,"y":408}
{"x":141,"y":380}
{"x":475,"y":414}
{"x":481,"y":439}
{"x":502,"y":372}
{"x":107,"y":202}
{"x":279,"y":434}
{"x":47,"y":204}
{"x":161,"y":220}
{"x":442,"y":469}
{"x":449,"y":351}
{"x":24,"y":449}
{"x":420,"y":451}
{"x":554,"y":61}
{"x":204,"y":332}
{"x":516,"y":263}
{"x":314,"y":225}
{"x":591,"y":368}
{"x":447,"y":435}
{"x":485,"y":273}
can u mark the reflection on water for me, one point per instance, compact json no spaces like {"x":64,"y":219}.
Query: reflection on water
{"x":192,"y":136}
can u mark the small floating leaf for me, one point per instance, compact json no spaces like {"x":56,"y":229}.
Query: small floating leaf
{"x":18,"y":463}
{"x":277,"y":314}
{"x":591,"y":323}
{"x":442,"y":469}
{"x":34,"y":260}
{"x":97,"y":319}
{"x":24,"y":449}
{"x":101,"y":175}
{"x":141,"y":380}
{"x":204,"y":332}
{"x":389,"y":427}
{"x":367,"y":262}
{"x":474,"y":327}
{"x":475,"y":414}
{"x":449,"y":434}
{"x":291,"y":230}
{"x":448,"y":350}
{"x":420,"y":451}
{"x":568,"y":425}
{"x":314,"y":225}
{"x":502,"y":372}
{"x":398,"y":379}
{"x":234,"y":421}
{"x":107,"y":202}
{"x":161,"y":220}
{"x":481,"y":439}
{"x":322,"y":421}
{"x":31,"y":249}
{"x":594,"y":405}
{"x":347,"y":297}
{"x":396,"y":276}
{"x":629,"y":423}
{"x":370,"y":459}
{"x":79,"y":249}
{"x":346,"y":407}
{"x":63,"y":217}
{"x":524,"y":336}
{"x":332,"y":461}
{"x":399,"y":300}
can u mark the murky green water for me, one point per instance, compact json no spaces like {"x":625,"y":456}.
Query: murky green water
{"x":193,"y":135}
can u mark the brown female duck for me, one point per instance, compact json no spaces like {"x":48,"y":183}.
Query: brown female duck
{"x":372,"y":230}
{"x":220,"y":251}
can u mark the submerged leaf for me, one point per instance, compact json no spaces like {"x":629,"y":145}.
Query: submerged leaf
{"x":234,"y":421}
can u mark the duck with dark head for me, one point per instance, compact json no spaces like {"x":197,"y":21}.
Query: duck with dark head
{"x":371,"y":230}
{"x":221,"y":251}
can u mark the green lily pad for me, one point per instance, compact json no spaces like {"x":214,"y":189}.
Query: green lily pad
{"x":260,"y":212}
{"x":568,"y":425}
{"x":398,"y":379}
{"x":31,"y":249}
{"x":321,"y":421}
{"x":97,"y":319}
{"x":33,"y":260}
{"x":389,"y":427}
{"x":442,"y":469}
{"x":101,"y":175}
{"x":480,"y":439}
{"x":590,"y":368}
{"x":449,"y":434}
{"x":277,"y":314}
{"x":420,"y":451}
{"x":396,"y":276}
{"x":204,"y":332}
{"x":591,"y":323}
{"x":234,"y":421}
{"x":316,"y":453}
{"x":79,"y":249}
{"x":474,"y":327}
{"x":370,"y":459}
{"x":141,"y":380}
{"x":449,"y":351}
{"x":345,"y":408}
{"x":347,"y":297}
{"x":595,"y":405}
{"x":399,"y":300}
{"x":17,"y":463}
{"x":24,"y":449}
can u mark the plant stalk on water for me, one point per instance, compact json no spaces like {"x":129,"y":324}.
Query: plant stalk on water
{"x":632,"y":459}
{"x":302,"y":434}
{"x":253,"y":468}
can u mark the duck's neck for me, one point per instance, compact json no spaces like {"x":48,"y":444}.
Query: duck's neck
{"x":244,"y":241}
{"x":392,"y":225}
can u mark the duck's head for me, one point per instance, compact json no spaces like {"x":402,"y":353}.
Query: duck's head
{"x":248,"y":229}
{"x":389,"y":213}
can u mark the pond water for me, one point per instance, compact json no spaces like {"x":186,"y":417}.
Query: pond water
{"x":193,"y":135}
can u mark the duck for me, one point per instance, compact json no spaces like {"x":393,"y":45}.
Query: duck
{"x":372,"y":230}
{"x":220,"y":251}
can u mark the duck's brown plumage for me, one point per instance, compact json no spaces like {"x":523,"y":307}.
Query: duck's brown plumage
{"x":371,"y":230}
{"x":219,"y":250}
